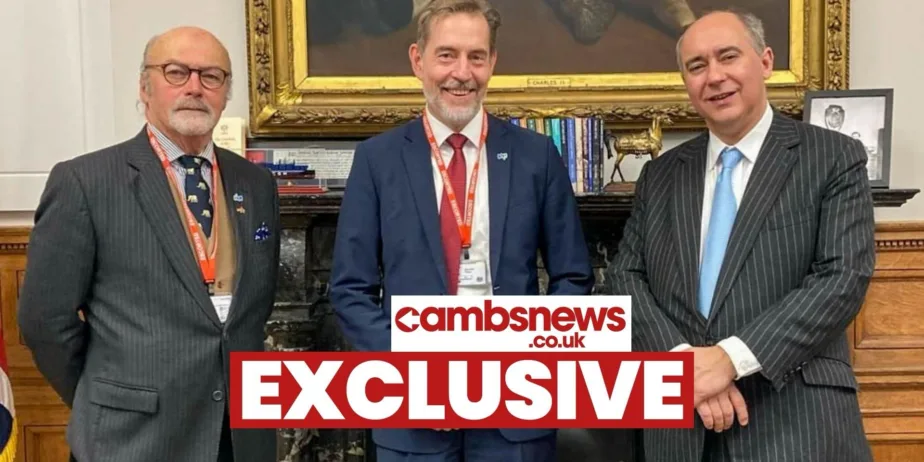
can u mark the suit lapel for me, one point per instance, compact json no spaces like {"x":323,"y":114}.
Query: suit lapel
{"x":773,"y":166}
{"x":499,"y":159}
{"x":152,"y":190}
{"x":688,"y":208}
{"x":417,"y":162}
{"x":236,"y":193}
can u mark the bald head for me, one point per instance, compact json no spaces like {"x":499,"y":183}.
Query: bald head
{"x":185,"y":84}
{"x":189,"y":39}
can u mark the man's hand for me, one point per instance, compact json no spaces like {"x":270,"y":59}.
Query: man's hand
{"x":718,"y":413}
{"x":713,"y":373}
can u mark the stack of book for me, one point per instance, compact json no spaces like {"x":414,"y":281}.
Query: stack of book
{"x":291,"y":178}
{"x":581,"y":143}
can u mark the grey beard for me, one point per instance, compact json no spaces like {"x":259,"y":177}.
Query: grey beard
{"x":192,"y":125}
{"x":451,"y":116}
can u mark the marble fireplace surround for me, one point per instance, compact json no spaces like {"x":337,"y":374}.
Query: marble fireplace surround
{"x":304,"y":321}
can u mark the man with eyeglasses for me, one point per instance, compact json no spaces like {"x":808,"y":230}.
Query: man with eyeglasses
{"x":150,"y":261}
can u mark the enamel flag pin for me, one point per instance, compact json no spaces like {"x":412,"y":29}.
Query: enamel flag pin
{"x":239,"y":199}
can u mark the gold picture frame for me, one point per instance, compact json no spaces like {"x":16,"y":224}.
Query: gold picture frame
{"x":286,"y":101}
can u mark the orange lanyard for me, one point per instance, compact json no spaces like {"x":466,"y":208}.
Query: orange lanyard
{"x":206,"y":261}
{"x":465,"y":227}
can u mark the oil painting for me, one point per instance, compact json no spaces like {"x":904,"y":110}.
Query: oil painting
{"x":371,"y":37}
{"x":341,"y":66}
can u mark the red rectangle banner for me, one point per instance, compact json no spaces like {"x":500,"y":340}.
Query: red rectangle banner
{"x":461,"y":390}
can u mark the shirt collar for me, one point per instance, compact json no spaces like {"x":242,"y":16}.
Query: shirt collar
{"x":749,"y":145}
{"x":472,"y":130}
{"x":173,"y":152}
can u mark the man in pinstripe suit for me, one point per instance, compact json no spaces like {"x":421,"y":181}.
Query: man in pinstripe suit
{"x":770,"y":223}
{"x":169,"y":276}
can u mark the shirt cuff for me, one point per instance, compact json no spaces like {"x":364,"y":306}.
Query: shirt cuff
{"x":681,"y":347}
{"x":741,"y":357}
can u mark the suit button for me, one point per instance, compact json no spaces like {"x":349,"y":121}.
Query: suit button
{"x":217,"y":395}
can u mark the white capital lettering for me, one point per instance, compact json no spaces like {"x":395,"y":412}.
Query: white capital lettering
{"x":656,"y":390}
{"x":314,"y":390}
{"x":356,"y":390}
{"x":418,"y":394}
{"x":516,"y":378}
{"x":254,"y":389}
{"x":609,"y":406}
{"x":567,"y":390}
{"x":490,"y":390}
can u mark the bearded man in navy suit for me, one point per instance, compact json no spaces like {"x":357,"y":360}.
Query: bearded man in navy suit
{"x":398,"y":232}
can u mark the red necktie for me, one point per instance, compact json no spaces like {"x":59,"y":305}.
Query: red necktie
{"x":449,"y":228}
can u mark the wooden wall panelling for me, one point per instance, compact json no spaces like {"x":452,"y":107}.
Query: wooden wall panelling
{"x":889,"y":345}
{"x":40,"y":414}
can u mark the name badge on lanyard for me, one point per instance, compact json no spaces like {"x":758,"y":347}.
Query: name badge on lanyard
{"x":206,"y":259}
{"x":472,"y":273}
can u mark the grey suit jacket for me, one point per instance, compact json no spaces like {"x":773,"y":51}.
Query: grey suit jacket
{"x":147,"y":374}
{"x":796,"y":271}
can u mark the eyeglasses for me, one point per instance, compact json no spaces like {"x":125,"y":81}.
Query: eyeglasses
{"x":178,"y":74}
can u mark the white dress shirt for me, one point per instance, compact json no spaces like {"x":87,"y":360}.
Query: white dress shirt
{"x":741,"y":356}
{"x":481,"y":243}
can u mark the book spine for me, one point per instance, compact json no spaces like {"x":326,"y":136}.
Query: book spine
{"x":572,"y":152}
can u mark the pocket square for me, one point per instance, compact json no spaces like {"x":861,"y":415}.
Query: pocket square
{"x":263,"y":233}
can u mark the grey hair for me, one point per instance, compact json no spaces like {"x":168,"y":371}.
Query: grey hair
{"x":752,"y":24}
{"x":145,"y":78}
{"x":436,"y":9}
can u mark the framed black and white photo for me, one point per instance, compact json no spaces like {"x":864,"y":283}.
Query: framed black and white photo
{"x":862,"y":114}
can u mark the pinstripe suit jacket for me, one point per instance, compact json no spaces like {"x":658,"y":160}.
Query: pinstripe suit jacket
{"x":147,"y":374}
{"x":795,"y":273}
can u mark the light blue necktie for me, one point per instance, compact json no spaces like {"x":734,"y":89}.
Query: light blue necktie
{"x":724,"y":208}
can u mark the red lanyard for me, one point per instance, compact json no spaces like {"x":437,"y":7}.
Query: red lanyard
{"x":465,"y":227}
{"x":206,"y":261}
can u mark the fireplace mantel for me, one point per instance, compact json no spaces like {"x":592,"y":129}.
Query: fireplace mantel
{"x":615,"y":205}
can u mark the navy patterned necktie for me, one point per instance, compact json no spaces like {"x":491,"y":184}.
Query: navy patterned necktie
{"x":198,"y":197}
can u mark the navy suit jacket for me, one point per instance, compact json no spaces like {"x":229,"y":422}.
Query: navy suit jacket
{"x":388,"y":238}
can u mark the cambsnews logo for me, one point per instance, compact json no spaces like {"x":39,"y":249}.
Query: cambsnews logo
{"x":475,"y":362}
{"x":511,"y":323}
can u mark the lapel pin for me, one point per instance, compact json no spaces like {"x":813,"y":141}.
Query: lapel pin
{"x":238,"y":197}
{"x":262,"y":233}
{"x":502,"y":156}
{"x":240,"y":210}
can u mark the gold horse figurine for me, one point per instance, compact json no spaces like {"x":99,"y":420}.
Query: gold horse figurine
{"x":647,"y":142}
